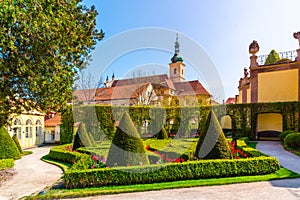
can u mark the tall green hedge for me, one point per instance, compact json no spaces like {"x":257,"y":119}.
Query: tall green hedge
{"x":8,"y":148}
{"x":170,"y":172}
{"x":127,"y":147}
{"x":212,"y":143}
{"x":66,"y":127}
{"x":244,"y":117}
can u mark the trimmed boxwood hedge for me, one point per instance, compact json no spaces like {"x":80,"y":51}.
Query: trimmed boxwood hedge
{"x":58,"y":153}
{"x":292,"y":140}
{"x":6,"y":163}
{"x":170,"y":172}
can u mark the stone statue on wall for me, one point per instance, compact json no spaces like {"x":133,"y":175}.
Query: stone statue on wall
{"x":254,"y":47}
{"x":246,"y":73}
{"x":297,"y":36}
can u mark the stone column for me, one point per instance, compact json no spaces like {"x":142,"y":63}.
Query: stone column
{"x":298,"y":55}
{"x":253,"y":61}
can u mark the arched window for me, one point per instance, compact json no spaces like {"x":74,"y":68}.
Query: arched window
{"x":28,"y":128}
{"x":182,"y":71}
{"x":175,"y":71}
{"x":38,"y":128}
{"x":17,"y":128}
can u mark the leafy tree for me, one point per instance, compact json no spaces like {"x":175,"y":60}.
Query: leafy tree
{"x":127,"y":147}
{"x":82,"y":138}
{"x":8,"y":148}
{"x":272,"y":58}
{"x":43,"y":44}
{"x":212,"y":143}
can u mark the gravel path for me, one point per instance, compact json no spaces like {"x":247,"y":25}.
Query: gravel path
{"x":271,"y":190}
{"x":286,"y":158}
{"x":32,"y":176}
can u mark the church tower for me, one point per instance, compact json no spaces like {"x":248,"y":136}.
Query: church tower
{"x":177,"y":73}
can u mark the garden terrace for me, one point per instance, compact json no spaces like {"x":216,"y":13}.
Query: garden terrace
{"x":101,"y":120}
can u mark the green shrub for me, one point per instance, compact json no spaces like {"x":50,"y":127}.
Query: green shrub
{"x":60,"y":153}
{"x":16,"y":140}
{"x":127,"y":147}
{"x":272,"y":58}
{"x":8,"y":148}
{"x":162,"y":134}
{"x":292,"y":140}
{"x":82,"y":138}
{"x":170,"y":172}
{"x":84,"y":162}
{"x":215,"y":145}
{"x":6,"y":164}
{"x":285,"y":133}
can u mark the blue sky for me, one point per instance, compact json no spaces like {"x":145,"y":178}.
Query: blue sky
{"x":223,"y":29}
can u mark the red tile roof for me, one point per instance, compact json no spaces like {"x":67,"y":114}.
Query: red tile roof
{"x":119,"y":92}
{"x":230,"y":100}
{"x":158,"y":79}
{"x":190,"y":88}
{"x":53,"y":121}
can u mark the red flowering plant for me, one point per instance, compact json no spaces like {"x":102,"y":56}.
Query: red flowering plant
{"x":69,"y":148}
{"x":98,"y":162}
{"x":164,"y":158}
{"x":236,"y":153}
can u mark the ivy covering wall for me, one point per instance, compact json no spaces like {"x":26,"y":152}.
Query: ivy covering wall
{"x":101,"y":120}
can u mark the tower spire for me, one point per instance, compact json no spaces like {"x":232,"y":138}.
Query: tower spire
{"x":176,"y":57}
{"x":177,"y":45}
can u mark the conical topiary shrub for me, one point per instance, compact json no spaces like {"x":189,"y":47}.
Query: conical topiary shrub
{"x":82,"y":138}
{"x":16,"y":140}
{"x":162,"y":134}
{"x":8,"y":148}
{"x":127,"y":147}
{"x":212,"y":143}
{"x":91,"y":139}
{"x":272,"y":58}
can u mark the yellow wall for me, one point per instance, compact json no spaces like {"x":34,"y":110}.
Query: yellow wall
{"x":249,"y":95}
{"x":52,"y":134}
{"x":28,"y":140}
{"x":278,"y":86}
{"x":269,"y":121}
{"x":226,"y":122}
{"x":240,"y":100}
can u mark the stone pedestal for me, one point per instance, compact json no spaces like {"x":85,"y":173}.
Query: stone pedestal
{"x":253,"y":61}
{"x":298,"y":55}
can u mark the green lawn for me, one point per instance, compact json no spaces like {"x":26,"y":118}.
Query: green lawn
{"x":177,"y":146}
{"x":65,"y":193}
